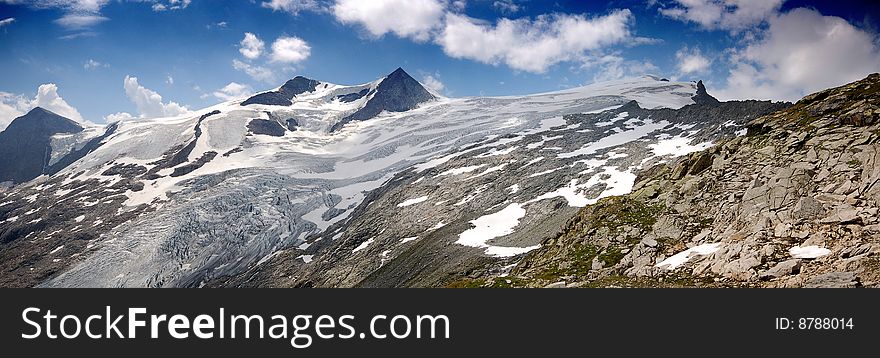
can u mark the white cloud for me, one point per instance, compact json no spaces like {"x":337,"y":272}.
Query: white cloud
{"x":613,"y":66}
{"x":290,"y":49}
{"x":292,"y":6}
{"x":77,"y":15}
{"x":732,"y":15}
{"x":251,"y":46}
{"x":532,"y":45}
{"x":118,"y":117}
{"x":233,"y":91}
{"x":801,"y":52}
{"x":258,"y":73}
{"x":12,"y":106}
{"x":7,"y":21}
{"x":691,"y":61}
{"x":80,"y":21}
{"x":405,"y":18}
{"x":48,"y":98}
{"x":169,"y":80}
{"x":506,"y":6}
{"x":432,"y":82}
{"x":78,"y":35}
{"x":92,"y":64}
{"x":149,"y":103}
{"x":160,"y":6}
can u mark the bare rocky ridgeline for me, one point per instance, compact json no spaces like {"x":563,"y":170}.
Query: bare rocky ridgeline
{"x":792,"y":204}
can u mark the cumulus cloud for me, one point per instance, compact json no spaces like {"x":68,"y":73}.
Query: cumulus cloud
{"x":233,"y":91}
{"x":413,"y":19}
{"x":732,"y":15}
{"x":149,"y":103}
{"x":251,"y":46}
{"x":432,"y":82}
{"x":292,"y":6}
{"x":692,"y":61}
{"x":15,"y":105}
{"x":532,"y":45}
{"x":48,"y":98}
{"x":290,"y":49}
{"x":801,"y":52}
{"x":118,"y":117}
{"x":259,"y":73}
{"x":7,"y":21}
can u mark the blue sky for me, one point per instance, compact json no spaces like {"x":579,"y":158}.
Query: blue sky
{"x":94,"y":58}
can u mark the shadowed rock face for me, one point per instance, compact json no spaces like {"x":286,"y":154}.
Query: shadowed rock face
{"x":266,"y":127}
{"x":398,"y":92}
{"x":25,"y":144}
{"x":282,"y":97}
{"x":703,"y":97}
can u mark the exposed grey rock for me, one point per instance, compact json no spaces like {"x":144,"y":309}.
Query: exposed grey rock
{"x":284,"y":96}
{"x":781,"y":269}
{"x":266,"y":127}
{"x":833,"y":280}
{"x":703,"y":97}
{"x":844,"y":213}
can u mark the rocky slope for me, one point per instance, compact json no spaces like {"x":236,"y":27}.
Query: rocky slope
{"x":794,"y":203}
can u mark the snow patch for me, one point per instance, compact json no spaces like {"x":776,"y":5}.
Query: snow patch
{"x":413,"y":201}
{"x":408,"y":239}
{"x":680,"y":258}
{"x":462,"y":170}
{"x":495,"y":225}
{"x":677,"y":146}
{"x":362,"y":246}
{"x":808,"y":252}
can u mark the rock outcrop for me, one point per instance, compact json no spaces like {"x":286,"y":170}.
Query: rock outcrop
{"x":792,"y":204}
{"x":702,"y":96}
{"x":284,"y":95}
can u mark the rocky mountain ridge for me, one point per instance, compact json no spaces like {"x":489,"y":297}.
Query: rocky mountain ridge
{"x":794,"y":203}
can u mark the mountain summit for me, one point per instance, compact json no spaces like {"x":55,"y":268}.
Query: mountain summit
{"x":24,"y":144}
{"x":398,"y":92}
